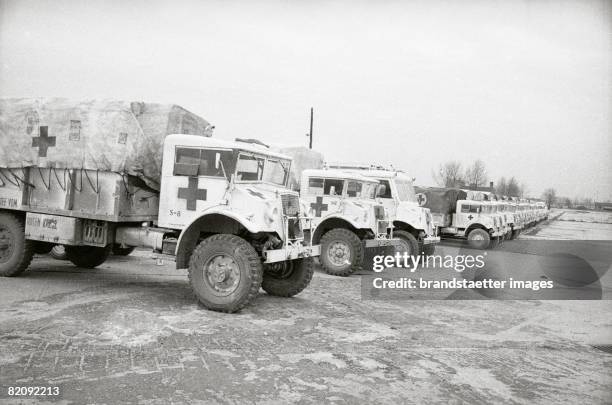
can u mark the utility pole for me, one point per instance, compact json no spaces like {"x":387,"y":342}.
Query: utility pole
{"x":309,"y":135}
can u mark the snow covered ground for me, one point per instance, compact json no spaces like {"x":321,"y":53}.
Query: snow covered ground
{"x":574,"y":225}
{"x":131,"y":331}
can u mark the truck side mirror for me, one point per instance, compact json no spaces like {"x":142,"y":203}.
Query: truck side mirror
{"x":381,"y":190}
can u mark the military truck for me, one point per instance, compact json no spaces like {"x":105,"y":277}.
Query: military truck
{"x":459,"y":217}
{"x":413,"y":224}
{"x":346,"y":218}
{"x":510,"y":210}
{"x":223,"y":210}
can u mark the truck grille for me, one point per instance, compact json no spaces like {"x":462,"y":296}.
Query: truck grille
{"x":291,"y":204}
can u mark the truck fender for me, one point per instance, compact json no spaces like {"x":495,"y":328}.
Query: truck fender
{"x":401,"y":225}
{"x":226,"y":221}
{"x":331,"y":218}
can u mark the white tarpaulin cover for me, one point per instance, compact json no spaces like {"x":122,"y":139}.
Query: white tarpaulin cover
{"x":303,"y":158}
{"x":108,"y":135}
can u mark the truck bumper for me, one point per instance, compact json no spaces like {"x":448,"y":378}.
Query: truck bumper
{"x":291,"y":252}
{"x":374,"y":243}
{"x":429,"y":240}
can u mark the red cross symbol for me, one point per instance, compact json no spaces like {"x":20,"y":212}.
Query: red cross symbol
{"x":318,"y":206}
{"x":43,"y":142}
{"x":192,"y":194}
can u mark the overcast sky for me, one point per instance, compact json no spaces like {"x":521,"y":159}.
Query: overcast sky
{"x":522,"y":85}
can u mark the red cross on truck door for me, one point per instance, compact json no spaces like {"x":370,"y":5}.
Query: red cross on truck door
{"x":192,"y":194}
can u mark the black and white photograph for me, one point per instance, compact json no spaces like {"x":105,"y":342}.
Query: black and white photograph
{"x":313,"y":202}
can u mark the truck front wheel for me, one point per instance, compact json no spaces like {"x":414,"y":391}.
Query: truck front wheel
{"x":87,"y":256}
{"x":479,"y":238}
{"x":225,"y":273}
{"x":288,"y":278}
{"x":407,"y":243}
{"x":341,"y":252}
{"x":15,"y":251}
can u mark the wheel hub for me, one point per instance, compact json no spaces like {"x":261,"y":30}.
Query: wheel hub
{"x":339,"y":253}
{"x":403,"y":247}
{"x":222,"y":274}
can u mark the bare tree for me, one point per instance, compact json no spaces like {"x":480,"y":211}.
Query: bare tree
{"x":476,"y":174}
{"x":449,"y":174}
{"x":550,"y":196}
{"x":513,"y":190}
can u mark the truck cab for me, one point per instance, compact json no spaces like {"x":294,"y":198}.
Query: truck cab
{"x":346,"y":217}
{"x":513,"y":217}
{"x":475,"y":220}
{"x":413,"y":224}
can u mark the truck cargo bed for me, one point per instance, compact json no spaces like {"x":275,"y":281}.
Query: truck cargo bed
{"x":78,"y":193}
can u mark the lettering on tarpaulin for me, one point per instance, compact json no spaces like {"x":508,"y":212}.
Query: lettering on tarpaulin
{"x":8,"y":202}
{"x":75,"y":130}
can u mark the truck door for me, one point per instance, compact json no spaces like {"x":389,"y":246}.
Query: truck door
{"x":467,"y":213}
{"x":197,"y":181}
{"x":322,"y":197}
{"x":388,"y":199}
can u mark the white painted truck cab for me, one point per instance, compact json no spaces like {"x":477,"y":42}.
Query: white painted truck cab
{"x":512,"y":216}
{"x":223,"y":212}
{"x":413,"y":224}
{"x":346,"y":217}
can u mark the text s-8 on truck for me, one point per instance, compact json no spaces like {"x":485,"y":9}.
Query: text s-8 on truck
{"x":223,"y":210}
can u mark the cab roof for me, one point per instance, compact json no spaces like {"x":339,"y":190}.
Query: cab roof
{"x":208,"y":142}
{"x":379,"y":173}
{"x":336,"y":174}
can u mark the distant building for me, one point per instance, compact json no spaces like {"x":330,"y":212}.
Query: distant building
{"x":603,"y":206}
{"x":489,"y":189}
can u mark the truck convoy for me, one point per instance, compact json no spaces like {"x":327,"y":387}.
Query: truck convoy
{"x":413,"y":224}
{"x":91,"y":176}
{"x":347,"y":218}
{"x":484,"y":219}
{"x":459,"y":217}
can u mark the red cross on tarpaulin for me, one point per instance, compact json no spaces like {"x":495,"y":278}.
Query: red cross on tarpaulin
{"x":43,"y":141}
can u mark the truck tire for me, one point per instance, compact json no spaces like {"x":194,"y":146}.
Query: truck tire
{"x":515,"y":234}
{"x":16,"y":251}
{"x":225,"y":273}
{"x":43,"y":248}
{"x":429,"y":249}
{"x":87,"y":257}
{"x":119,"y":251}
{"x":341,"y":252}
{"x":479,"y":239}
{"x":495,"y":242}
{"x":408,"y":243}
{"x":58,"y":253}
{"x":289,"y":278}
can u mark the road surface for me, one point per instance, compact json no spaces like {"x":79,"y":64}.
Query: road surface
{"x":131,"y":331}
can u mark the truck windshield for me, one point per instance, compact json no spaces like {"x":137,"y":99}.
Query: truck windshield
{"x":405,"y":191}
{"x":262,"y":168}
